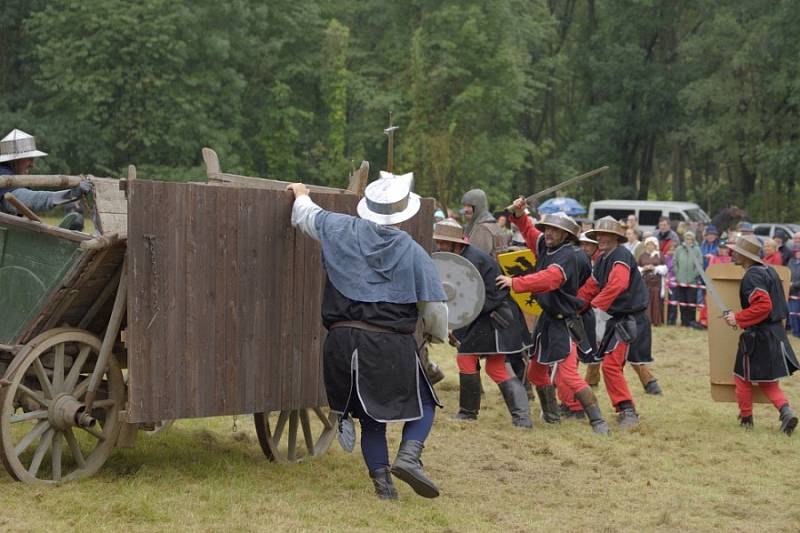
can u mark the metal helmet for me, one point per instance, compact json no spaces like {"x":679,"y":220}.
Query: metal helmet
{"x":448,"y":230}
{"x":585,"y":238}
{"x":463,"y":286}
{"x":560,"y":221}
{"x":389,"y":200}
{"x":610,"y":226}
{"x":18,"y":145}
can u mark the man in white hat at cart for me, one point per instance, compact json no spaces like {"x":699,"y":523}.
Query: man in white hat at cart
{"x":380,"y":282}
{"x":764,"y":355}
{"x":18,"y":155}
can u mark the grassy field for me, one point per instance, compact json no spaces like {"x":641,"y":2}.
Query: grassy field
{"x":687,"y":467}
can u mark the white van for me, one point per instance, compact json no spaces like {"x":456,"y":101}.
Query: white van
{"x":648,"y":212}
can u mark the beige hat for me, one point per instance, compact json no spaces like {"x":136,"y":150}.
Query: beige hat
{"x":560,"y":221}
{"x":610,"y":226}
{"x":749,"y":246}
{"x":448,"y":230}
{"x":18,"y":145}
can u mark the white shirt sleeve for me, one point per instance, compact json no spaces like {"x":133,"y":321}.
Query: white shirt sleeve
{"x":434,"y":320}
{"x":304,"y":215}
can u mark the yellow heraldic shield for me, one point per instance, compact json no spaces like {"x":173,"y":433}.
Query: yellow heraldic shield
{"x":519,"y":263}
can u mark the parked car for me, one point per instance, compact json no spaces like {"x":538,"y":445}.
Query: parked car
{"x":648,"y":212}
{"x":768,"y":229}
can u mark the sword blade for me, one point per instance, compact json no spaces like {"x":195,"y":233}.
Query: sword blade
{"x":710,"y":289}
{"x":565,"y":183}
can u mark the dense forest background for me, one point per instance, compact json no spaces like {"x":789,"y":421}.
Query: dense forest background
{"x":685,"y":99}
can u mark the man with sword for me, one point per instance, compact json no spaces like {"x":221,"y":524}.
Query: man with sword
{"x":764,"y":355}
{"x":559,"y":331}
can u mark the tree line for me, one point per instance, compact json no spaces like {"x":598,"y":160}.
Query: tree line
{"x":684,"y":99}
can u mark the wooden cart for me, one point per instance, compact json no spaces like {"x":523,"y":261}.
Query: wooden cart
{"x":200,"y":300}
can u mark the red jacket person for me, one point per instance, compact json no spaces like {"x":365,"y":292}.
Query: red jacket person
{"x":555,"y":283}
{"x":616,"y":287}
{"x":765,"y":354}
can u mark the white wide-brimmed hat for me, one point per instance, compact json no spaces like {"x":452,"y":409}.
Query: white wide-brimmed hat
{"x":18,"y":145}
{"x":389,"y":200}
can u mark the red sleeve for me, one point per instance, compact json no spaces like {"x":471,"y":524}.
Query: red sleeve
{"x":618,"y":280}
{"x":545,"y":280}
{"x":759,"y":309}
{"x":588,"y":290}
{"x":528,"y":231}
{"x":773,"y":259}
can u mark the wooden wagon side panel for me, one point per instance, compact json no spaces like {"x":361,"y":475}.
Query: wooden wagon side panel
{"x":224,"y":300}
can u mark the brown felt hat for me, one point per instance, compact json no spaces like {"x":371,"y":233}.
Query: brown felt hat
{"x":610,"y":226}
{"x":748,"y":246}
{"x":448,"y":230}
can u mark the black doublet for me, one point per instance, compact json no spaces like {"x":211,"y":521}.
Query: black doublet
{"x":764,"y":352}
{"x":551,"y":336}
{"x":385,"y":365}
{"x":628,"y":310}
{"x":484,"y":336}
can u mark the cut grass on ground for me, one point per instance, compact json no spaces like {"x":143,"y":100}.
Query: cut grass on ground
{"x":687,"y":467}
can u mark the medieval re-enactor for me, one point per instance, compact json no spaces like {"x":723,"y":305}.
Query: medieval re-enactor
{"x":482,"y":229}
{"x":497,"y":333}
{"x":380,"y":282}
{"x":17,"y":156}
{"x":555,"y":283}
{"x":616,"y":287}
{"x":765,"y":354}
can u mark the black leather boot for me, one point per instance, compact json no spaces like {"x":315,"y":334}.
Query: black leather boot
{"x":547,"y":397}
{"x":788,"y":419}
{"x":589,"y":402}
{"x":469,"y":397}
{"x":408,"y":467}
{"x":627,"y":416}
{"x":517,"y":402}
{"x":384,"y":486}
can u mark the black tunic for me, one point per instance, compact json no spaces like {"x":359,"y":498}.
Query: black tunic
{"x":484,"y":336}
{"x":551,"y":336}
{"x":628,"y":311}
{"x":589,"y":322}
{"x":385,"y":365}
{"x":764,"y":353}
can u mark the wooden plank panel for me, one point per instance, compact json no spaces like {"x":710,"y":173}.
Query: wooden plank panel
{"x":236,"y":294}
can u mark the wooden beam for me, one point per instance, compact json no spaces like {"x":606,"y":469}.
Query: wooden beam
{"x":19,"y":222}
{"x":34,"y":181}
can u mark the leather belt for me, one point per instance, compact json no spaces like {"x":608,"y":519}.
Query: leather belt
{"x":357,"y":324}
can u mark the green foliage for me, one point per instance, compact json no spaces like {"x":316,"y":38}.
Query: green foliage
{"x":684,"y":100}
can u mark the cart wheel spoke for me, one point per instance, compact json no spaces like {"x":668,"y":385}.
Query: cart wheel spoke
{"x":103,"y":404}
{"x":94,"y":432}
{"x":58,"y":367}
{"x":82,"y":387}
{"x":41,"y":449}
{"x":31,"y":415}
{"x":323,"y":418}
{"x":307,"y":435}
{"x":279,"y":425}
{"x":75,"y":370}
{"x":55,"y":458}
{"x":75,"y":448}
{"x":44,"y":381}
{"x":277,"y":445}
{"x":292,"y":454}
{"x":37,"y":431}
{"x":35,"y":396}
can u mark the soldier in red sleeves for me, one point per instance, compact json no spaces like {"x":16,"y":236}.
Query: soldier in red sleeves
{"x":616,"y":287}
{"x":764,"y":355}
{"x":559,"y":331}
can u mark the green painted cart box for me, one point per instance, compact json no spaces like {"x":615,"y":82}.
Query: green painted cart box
{"x":32,"y":265}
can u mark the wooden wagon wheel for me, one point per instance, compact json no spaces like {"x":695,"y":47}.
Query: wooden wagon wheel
{"x":278,"y":433}
{"x":45,"y":434}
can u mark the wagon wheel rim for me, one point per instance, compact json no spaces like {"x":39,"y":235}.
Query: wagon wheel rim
{"x":295,"y":435}
{"x":40,"y":439}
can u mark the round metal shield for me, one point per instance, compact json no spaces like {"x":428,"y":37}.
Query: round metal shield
{"x":463,"y":286}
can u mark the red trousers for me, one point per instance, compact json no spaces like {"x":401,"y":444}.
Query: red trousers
{"x":495,"y":366}
{"x":744,"y":395}
{"x":565,"y":373}
{"x":613,"y":367}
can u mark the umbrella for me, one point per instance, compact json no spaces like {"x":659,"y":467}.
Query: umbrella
{"x":569,"y":206}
